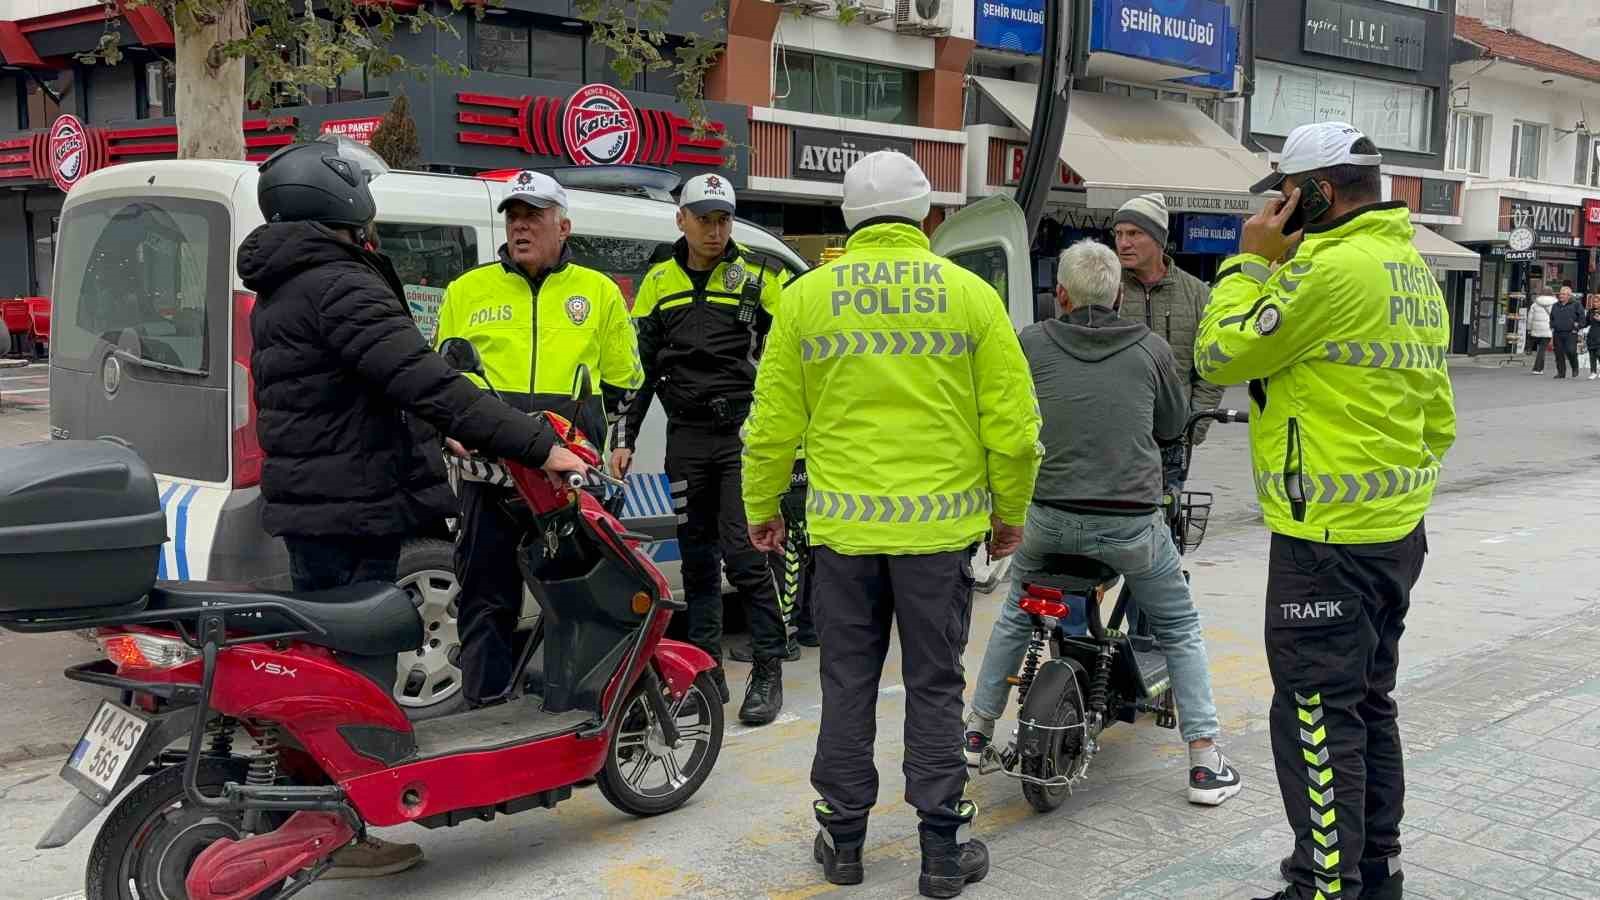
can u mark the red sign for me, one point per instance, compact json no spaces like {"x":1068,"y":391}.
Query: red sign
{"x":360,"y":129}
{"x":1016,"y":154}
{"x":596,"y":126}
{"x":1591,"y":223}
{"x":69,"y":150}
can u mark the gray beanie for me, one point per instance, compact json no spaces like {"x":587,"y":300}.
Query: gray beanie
{"x":1147,"y":212}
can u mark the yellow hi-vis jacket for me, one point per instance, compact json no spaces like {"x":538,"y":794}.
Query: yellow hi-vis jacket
{"x":1344,"y":348}
{"x":902,"y":376}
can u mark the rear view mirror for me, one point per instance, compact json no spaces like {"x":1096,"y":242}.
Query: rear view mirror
{"x":462,"y":356}
{"x":582,"y":390}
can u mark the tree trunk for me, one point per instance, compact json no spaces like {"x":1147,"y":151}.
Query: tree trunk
{"x":210,"y":91}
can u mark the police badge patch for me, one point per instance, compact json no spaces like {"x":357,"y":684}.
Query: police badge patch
{"x":1268,"y":320}
{"x":733,"y":276}
{"x":578,"y":309}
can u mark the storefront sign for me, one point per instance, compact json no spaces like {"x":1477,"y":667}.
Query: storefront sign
{"x":1017,"y":154}
{"x":1552,"y":225}
{"x":1184,"y":33}
{"x":1211,"y":234}
{"x":1223,"y":80}
{"x":1439,"y":197}
{"x":358,"y":129}
{"x":825,"y":155}
{"x":1355,"y":31}
{"x":597,"y":125}
{"x":1591,"y":223}
{"x":1521,"y":255}
{"x":1017,"y":26}
{"x":68,"y":150}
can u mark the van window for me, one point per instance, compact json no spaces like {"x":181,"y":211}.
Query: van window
{"x":136,"y":273}
{"x":427,"y":258}
{"x":988,"y":263}
{"x":626,"y":260}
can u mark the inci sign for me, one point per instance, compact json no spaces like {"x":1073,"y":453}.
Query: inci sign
{"x":1354,"y":31}
{"x":825,"y":155}
{"x":1552,"y":225}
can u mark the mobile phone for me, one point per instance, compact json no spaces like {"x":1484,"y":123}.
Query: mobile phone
{"x":1314,"y":204}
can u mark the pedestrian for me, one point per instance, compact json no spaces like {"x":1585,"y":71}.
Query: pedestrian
{"x":534,"y":316}
{"x":902,"y":376}
{"x":1346,"y":443}
{"x":1593,"y":336}
{"x":1098,"y":495}
{"x":1170,"y":302}
{"x":1539,"y":329}
{"x":1566,"y":317}
{"x":702,"y":317}
{"x":337,"y":364}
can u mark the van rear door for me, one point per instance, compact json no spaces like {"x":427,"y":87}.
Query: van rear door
{"x":141,"y":320}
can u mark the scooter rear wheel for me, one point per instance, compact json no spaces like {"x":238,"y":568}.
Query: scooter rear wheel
{"x":644,"y":777}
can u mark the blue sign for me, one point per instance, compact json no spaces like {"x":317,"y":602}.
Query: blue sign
{"x":1016,"y":26}
{"x":1186,"y":33}
{"x":1222,"y":81}
{"x":1211,"y":234}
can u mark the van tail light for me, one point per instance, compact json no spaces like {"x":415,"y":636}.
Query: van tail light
{"x":247,"y":454}
{"x":1043,"y":601}
{"x":146,"y":651}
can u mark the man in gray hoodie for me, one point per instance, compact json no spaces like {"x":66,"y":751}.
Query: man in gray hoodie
{"x":1111,"y":395}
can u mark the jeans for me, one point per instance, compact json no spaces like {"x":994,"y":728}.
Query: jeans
{"x":1139,"y":547}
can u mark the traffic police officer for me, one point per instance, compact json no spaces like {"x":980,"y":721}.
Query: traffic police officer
{"x":702,"y":317}
{"x":534,"y":316}
{"x":901,"y":373}
{"x":1344,"y":348}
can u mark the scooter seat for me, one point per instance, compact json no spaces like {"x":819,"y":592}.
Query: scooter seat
{"x":366,"y":619}
{"x":1069,"y":572}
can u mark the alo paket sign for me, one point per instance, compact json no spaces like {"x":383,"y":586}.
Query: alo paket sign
{"x":1017,"y":26}
{"x":1210,"y":234}
{"x":1354,"y":31}
{"x":358,"y":129}
{"x":1551,"y":224}
{"x":1186,"y":33}
{"x":825,"y":155}
{"x":1591,"y":223}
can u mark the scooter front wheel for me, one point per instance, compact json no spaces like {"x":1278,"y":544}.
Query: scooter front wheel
{"x":645,"y":777}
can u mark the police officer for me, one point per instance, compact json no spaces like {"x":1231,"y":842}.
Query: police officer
{"x":534,"y":316}
{"x":1344,"y":348}
{"x":902,"y":375}
{"x":702,"y":317}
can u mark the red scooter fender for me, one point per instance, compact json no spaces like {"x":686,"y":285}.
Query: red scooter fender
{"x":680,"y":663}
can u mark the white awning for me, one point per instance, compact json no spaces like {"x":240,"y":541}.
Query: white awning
{"x":1443,"y":254}
{"x":1123,"y":147}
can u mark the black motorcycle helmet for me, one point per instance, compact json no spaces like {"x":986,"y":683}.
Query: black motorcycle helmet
{"x":323,"y":181}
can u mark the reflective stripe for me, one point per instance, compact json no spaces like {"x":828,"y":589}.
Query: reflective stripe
{"x":1378,"y":355}
{"x":1255,"y":270}
{"x":880,"y":343}
{"x":1216,"y":356}
{"x":880,"y":508}
{"x":483,"y":471}
{"x":1359,"y":488}
{"x":1319,"y":790}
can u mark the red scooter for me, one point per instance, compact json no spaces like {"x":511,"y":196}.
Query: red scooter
{"x":265,"y":722}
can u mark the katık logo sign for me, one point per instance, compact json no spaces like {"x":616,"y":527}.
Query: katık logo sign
{"x":68,"y":151}
{"x":601,"y":127}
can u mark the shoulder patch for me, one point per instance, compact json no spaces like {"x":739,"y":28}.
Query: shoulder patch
{"x":1268,"y":320}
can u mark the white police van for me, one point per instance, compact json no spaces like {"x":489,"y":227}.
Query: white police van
{"x":152,"y":348}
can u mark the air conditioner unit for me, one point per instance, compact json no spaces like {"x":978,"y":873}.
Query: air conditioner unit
{"x":927,"y":17}
{"x":876,"y":10}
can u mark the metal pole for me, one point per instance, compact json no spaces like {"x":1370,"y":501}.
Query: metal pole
{"x":1066,"y":42}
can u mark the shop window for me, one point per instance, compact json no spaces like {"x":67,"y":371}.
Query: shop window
{"x":849,"y":88}
{"x":502,"y":49}
{"x":1469,"y":139}
{"x":1395,"y":116}
{"x":557,"y":55}
{"x":427,"y":258}
{"x":10,"y":104}
{"x":160,"y":94}
{"x":1527,"y":150}
{"x":531,"y":52}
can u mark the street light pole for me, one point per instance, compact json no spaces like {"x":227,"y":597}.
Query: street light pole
{"x":1066,"y":47}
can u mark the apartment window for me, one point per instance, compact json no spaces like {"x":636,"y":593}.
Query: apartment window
{"x":502,"y":49}
{"x":1469,"y":141}
{"x":1395,"y":116}
{"x":1586,"y":170}
{"x":160,"y":90}
{"x":529,"y":51}
{"x":849,"y":88}
{"x":1527,"y":150}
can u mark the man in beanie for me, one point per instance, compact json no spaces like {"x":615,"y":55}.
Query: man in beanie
{"x":1168,"y":300}
{"x":901,"y":375}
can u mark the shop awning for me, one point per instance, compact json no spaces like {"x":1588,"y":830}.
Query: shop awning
{"x":1443,"y":254}
{"x":1123,"y":147}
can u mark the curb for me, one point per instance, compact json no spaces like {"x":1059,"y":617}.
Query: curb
{"x":31,"y":752}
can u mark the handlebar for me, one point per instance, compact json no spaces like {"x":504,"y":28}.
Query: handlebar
{"x":1215,"y":415}
{"x":595,"y":476}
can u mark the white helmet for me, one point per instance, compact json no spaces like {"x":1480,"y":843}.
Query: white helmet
{"x":885,"y":183}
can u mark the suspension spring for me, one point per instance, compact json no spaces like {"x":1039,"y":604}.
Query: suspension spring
{"x":264,"y":765}
{"x":1100,"y":688}
{"x":219,"y":736}
{"x":1030,"y":666}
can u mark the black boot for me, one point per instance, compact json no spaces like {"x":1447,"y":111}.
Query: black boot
{"x":1382,"y":881}
{"x":949,"y":864}
{"x":841,"y":860}
{"x":720,"y":679}
{"x":763,"y":698}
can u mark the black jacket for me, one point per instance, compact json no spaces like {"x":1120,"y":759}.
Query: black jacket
{"x":337,"y":363}
{"x":1594,"y":329}
{"x":1566,"y":317}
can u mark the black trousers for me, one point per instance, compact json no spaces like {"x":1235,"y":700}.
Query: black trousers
{"x":795,"y":572}
{"x":490,"y":602}
{"x":1539,"y":345}
{"x":1566,"y":353}
{"x":859,"y":599}
{"x":1335,"y":614}
{"x":320,"y":563}
{"x":1594,"y":360}
{"x":703,"y":466}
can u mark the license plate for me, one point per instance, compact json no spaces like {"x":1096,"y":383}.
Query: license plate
{"x":108,"y":745}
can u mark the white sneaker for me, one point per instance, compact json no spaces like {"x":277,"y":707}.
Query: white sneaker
{"x":1594,"y":375}
{"x":980,"y":732}
{"x":1212,"y":782}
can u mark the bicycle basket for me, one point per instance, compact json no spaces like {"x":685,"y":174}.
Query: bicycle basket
{"x":1195,"y":512}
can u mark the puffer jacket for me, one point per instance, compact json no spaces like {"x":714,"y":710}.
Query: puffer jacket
{"x":1539,"y":316}
{"x":1173,"y":308}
